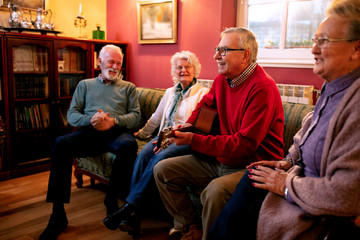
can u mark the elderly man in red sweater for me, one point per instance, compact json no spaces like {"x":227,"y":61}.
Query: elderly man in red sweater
{"x":251,"y":125}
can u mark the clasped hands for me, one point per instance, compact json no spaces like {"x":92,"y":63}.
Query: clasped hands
{"x":269,"y":175}
{"x":102,"y":121}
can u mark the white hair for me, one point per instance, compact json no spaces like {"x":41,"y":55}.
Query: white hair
{"x":108,"y":47}
{"x":190,"y":57}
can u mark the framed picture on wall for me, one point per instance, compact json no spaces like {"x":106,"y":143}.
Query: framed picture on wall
{"x":157,"y":21}
{"x":23,"y":4}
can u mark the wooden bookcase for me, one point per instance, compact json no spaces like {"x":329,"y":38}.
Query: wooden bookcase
{"x":3,"y":163}
{"x":40,"y":74}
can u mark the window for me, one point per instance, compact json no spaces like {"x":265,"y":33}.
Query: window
{"x":284,"y":29}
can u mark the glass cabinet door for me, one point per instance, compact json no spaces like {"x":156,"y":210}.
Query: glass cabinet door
{"x":29,"y":82}
{"x":31,"y":86}
{"x":3,"y":165}
{"x":72,"y":67}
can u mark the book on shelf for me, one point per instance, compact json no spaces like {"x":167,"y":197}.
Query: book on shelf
{"x":63,"y":116}
{"x":31,"y":87}
{"x":73,"y":61}
{"x":44,"y":112}
{"x":29,"y":58}
{"x":23,"y":58}
{"x":66,"y":59}
{"x":32,"y":117}
{"x":96,"y":65}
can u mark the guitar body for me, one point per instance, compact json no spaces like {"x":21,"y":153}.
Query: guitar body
{"x":205,"y":124}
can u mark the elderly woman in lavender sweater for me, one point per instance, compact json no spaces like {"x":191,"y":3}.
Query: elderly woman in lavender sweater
{"x":315,"y":194}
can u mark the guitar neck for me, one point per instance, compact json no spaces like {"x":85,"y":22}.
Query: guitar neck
{"x":182,"y":129}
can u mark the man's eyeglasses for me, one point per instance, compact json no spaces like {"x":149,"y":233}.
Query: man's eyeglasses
{"x":322,"y":42}
{"x":223,"y":50}
{"x":183,"y":67}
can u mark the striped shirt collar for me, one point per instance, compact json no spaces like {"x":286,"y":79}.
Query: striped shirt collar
{"x":243,"y":76}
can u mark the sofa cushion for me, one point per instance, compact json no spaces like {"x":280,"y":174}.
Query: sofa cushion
{"x":293,"y":114}
{"x":149,"y":99}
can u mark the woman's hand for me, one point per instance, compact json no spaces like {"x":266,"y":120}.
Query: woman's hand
{"x":284,"y":165}
{"x":156,"y":150}
{"x":269,"y":179}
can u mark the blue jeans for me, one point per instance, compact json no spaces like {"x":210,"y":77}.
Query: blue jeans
{"x":238,"y":219}
{"x":143,"y":168}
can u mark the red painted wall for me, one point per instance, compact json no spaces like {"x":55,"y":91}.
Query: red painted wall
{"x":199,"y":24}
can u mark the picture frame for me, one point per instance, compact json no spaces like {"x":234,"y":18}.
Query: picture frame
{"x":157,"y":21}
{"x":24,"y":4}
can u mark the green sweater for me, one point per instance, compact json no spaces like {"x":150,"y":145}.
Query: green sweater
{"x":119,"y":99}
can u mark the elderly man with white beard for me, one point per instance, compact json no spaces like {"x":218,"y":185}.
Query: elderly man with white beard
{"x":103,"y":109}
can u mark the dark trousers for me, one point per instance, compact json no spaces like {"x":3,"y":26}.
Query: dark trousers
{"x":238,"y":219}
{"x":89,"y":142}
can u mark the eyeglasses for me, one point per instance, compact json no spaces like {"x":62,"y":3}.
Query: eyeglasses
{"x":183,"y":67}
{"x":223,"y":50}
{"x":321,"y":42}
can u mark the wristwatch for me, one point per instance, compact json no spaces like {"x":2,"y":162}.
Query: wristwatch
{"x":286,"y":193}
{"x":116,"y":121}
{"x":289,"y":160}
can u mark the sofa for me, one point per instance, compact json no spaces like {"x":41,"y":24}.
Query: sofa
{"x":99,"y":167}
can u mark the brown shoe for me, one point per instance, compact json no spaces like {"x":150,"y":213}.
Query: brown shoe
{"x":193,"y":234}
{"x":175,"y":234}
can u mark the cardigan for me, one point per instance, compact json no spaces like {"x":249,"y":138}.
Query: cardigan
{"x":336,"y":192}
{"x":251,"y":121}
{"x":187,"y":105}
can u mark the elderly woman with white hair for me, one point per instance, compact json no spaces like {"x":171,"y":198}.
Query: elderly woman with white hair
{"x":174,"y":109}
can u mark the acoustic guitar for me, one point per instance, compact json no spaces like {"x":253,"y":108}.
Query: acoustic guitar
{"x":205,"y":124}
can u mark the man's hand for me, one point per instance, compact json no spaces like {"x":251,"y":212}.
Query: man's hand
{"x":183,"y":126}
{"x":102,"y":121}
{"x":183,"y":138}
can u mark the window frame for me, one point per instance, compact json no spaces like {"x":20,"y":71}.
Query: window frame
{"x":294,"y":58}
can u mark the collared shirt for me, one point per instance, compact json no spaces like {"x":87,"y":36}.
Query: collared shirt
{"x":312,"y":144}
{"x":243,"y":76}
{"x":109,"y":82}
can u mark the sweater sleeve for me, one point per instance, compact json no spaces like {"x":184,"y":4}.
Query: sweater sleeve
{"x":76,"y":116}
{"x":132,"y":117}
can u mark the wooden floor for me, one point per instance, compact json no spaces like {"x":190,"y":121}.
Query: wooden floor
{"x":24,"y":213}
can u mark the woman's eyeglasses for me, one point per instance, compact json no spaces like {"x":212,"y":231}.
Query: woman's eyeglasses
{"x":179,"y":68}
{"x":322,"y":42}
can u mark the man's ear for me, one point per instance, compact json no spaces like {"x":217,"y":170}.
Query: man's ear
{"x":99,"y":61}
{"x":247,"y":55}
{"x":356,"y":54}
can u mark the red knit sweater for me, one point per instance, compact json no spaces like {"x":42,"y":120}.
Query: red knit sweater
{"x":251,"y":118}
